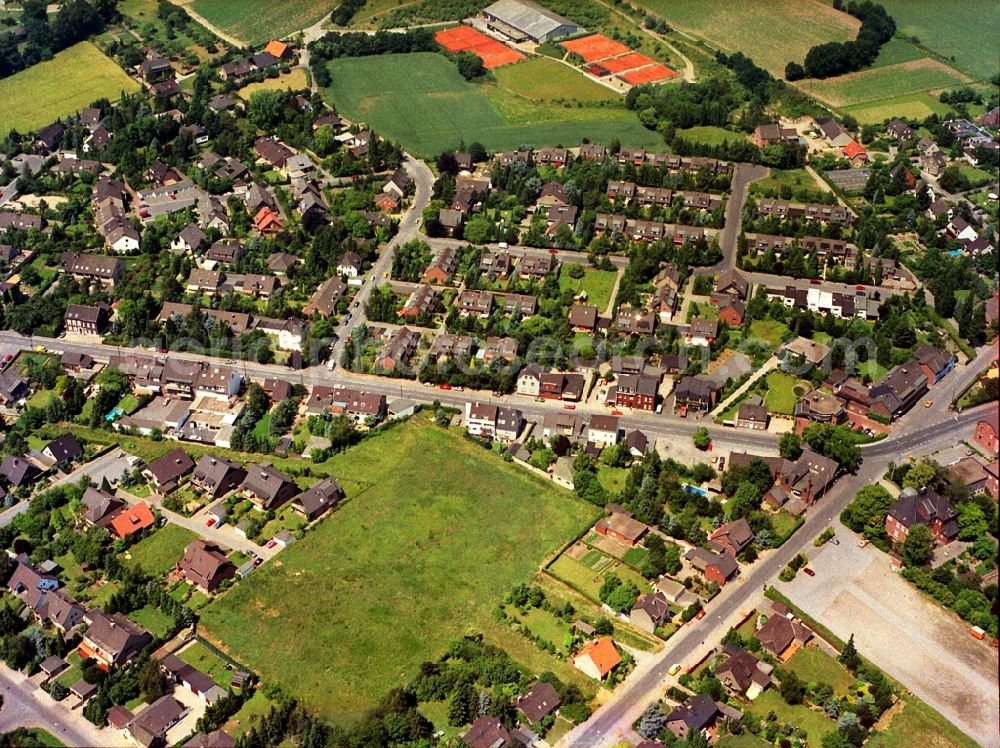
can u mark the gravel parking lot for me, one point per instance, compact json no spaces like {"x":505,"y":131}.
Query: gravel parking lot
{"x":927,"y":648}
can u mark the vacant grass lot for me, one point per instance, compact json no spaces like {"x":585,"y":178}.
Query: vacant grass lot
{"x":709,"y":135}
{"x":597,"y":284}
{"x":160,"y":552}
{"x":197,"y":655}
{"x":897,"y":50}
{"x":958,"y":31}
{"x":545,"y":79}
{"x":753,"y":27}
{"x":295,"y":79}
{"x":781,"y":394}
{"x":770,"y":330}
{"x":49,"y":90}
{"x":813,"y":665}
{"x":886,"y":82}
{"x":421,"y":101}
{"x":418,"y":557}
{"x":256,"y":21}
{"x":796,"y":179}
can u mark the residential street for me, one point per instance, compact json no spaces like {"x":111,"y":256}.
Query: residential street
{"x":612,"y":722}
{"x":743,"y":175}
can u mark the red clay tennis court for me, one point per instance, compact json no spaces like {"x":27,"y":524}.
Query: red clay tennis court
{"x":595,"y":47}
{"x":648,"y":75}
{"x":467,"y":39}
{"x":626,"y":62}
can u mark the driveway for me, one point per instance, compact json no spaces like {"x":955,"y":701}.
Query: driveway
{"x":910,"y":637}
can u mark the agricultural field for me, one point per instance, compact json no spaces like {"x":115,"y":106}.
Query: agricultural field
{"x":961,"y":32}
{"x":256,"y":21}
{"x":545,"y":79}
{"x":69,"y":81}
{"x":752,"y":28}
{"x":158,"y":553}
{"x":295,"y":79}
{"x":897,"y":50}
{"x":421,"y":101}
{"x":911,"y":106}
{"x":420,"y":523}
{"x":709,"y":135}
{"x":876,"y":84}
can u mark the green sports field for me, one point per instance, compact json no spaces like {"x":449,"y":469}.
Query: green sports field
{"x":964,"y":32}
{"x":545,"y":79}
{"x":63,"y":85}
{"x":421,"y":101}
{"x":419,"y":556}
{"x":771,"y":32}
{"x":257,"y":21}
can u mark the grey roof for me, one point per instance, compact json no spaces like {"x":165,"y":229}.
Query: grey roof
{"x":698,"y":712}
{"x":528,"y":17}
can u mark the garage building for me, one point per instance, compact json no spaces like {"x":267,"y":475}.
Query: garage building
{"x":523,"y":20}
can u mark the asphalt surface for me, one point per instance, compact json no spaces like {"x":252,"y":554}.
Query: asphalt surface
{"x":743,"y":175}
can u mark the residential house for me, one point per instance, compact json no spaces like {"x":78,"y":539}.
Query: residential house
{"x":695,"y":714}
{"x":529,"y":380}
{"x":112,"y":639}
{"x":731,"y":311}
{"x":635,"y":321}
{"x":216,"y":476}
{"x":934,"y":362}
{"x":272,"y":151}
{"x":205,"y":565}
{"x":156,"y":69}
{"x":922,"y":507}
{"x":190,"y":240}
{"x":820,"y":406}
{"x":325,"y":299}
{"x":697,"y":393}
{"x":583,"y":318}
{"x":86,"y":268}
{"x":732,"y":538}
{"x":733,"y":282}
{"x":714,"y":567}
{"x":535,"y":267}
{"x":779,"y":633}
{"x":801,"y":354}
{"x":18,"y":471}
{"x":150,"y":726}
{"x":86,"y":320}
{"x":603,"y":430}
{"x":63,"y":450}
{"x":165,"y":472}
{"x":441,"y":268}
{"x":634,"y":391}
{"x":480,"y":419}
{"x":621,"y":526}
{"x":267,"y":487}
{"x":398,"y":349}
{"x":228,"y":251}
{"x":318,"y":498}
{"x":772,"y":133}
{"x":702,"y":332}
{"x":597,"y":658}
{"x":495,"y":264}
{"x":132,"y":520}
{"x":637,"y":443}
{"x":899,"y":130}
{"x":101,"y":507}
{"x":538,"y":702}
{"x":650,"y":612}
{"x":488,"y":732}
{"x":987,"y":432}
{"x":856,"y":153}
{"x":216,"y":739}
{"x":455,"y":347}
{"x":752,"y":414}
{"x":834,"y":133}
{"x":496,"y":347}
{"x":741,"y":673}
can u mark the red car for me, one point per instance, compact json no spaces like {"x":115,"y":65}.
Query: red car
{"x":210,"y":521}
{"x":445,"y":386}
{"x":617,"y":413}
{"x":553,"y":251}
{"x":7,"y":358}
{"x":569,"y":407}
{"x":815,"y":282}
{"x":859,"y":288}
{"x":700,"y":614}
{"x":808,"y":571}
{"x":258,"y":561}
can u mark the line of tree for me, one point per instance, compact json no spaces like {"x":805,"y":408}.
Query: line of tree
{"x":836,"y":58}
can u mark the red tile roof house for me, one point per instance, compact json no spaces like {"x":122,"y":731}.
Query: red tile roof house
{"x":206,"y":565}
{"x":132,"y":520}
{"x":622,"y":527}
{"x":924,"y":507}
{"x":597,"y":658}
{"x":715,"y":567}
{"x":987,"y":433}
{"x":779,"y":633}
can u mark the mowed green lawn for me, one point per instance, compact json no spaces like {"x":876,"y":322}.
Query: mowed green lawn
{"x":160,"y":552}
{"x":545,"y":79}
{"x":781,"y":396}
{"x":772,"y":33}
{"x":421,"y":101}
{"x":418,"y":558}
{"x":886,"y":82}
{"x":597,"y":284}
{"x":963,"y":31}
{"x":71,"y":80}
{"x":709,"y":135}
{"x":257,"y":21}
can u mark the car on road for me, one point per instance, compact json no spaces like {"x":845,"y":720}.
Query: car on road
{"x":444,"y":386}
{"x":617,"y":413}
{"x":569,"y":407}
{"x":553,"y":251}
{"x":816,"y":282}
{"x":354,"y":305}
{"x":808,"y":571}
{"x":40,"y":349}
{"x":271,"y":543}
{"x":859,"y":287}
{"x":863,"y":542}
{"x":161,"y":522}
{"x":8,"y":358}
{"x":683,"y":411}
{"x":497,"y":393}
{"x":834,"y":541}
{"x":385,"y":275}
{"x":539,"y":399}
{"x":700,"y":614}
{"x":502,"y":245}
{"x":675,"y":668}
{"x":928,"y":403}
{"x":210,"y":521}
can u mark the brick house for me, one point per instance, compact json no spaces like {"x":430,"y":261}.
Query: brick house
{"x":924,"y":507}
{"x":987,"y":433}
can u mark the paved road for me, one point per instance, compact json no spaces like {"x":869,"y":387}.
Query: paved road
{"x":743,"y":175}
{"x":34,"y":164}
{"x":613,"y":721}
{"x":24,"y":705}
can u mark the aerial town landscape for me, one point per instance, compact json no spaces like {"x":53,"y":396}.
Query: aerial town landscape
{"x":585,"y":373}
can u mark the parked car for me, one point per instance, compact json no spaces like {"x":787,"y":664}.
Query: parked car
{"x":617,"y":413}
{"x":569,"y":407}
{"x":701,"y":614}
{"x":445,"y":386}
{"x":271,"y":543}
{"x":210,"y":522}
{"x":675,"y":668}
{"x":808,"y":571}
{"x":258,"y":561}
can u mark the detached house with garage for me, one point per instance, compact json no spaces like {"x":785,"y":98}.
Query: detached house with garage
{"x":112,"y":639}
{"x":597,"y":658}
{"x":206,"y":565}
{"x":318,"y":498}
{"x":267,"y":487}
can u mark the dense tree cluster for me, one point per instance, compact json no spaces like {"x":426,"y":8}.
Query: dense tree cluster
{"x":75,"y":21}
{"x":836,"y":58}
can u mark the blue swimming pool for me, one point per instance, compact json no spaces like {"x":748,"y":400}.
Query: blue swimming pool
{"x":694,"y":489}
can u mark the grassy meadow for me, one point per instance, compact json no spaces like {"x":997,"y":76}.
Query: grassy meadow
{"x":256,"y":21}
{"x":886,"y":82}
{"x":545,"y":79}
{"x":421,"y":101}
{"x":420,"y":555}
{"x":58,"y":87}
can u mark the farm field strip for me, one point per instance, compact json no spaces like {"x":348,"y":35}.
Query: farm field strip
{"x":71,"y":80}
{"x":890,"y":81}
{"x":256,"y":21}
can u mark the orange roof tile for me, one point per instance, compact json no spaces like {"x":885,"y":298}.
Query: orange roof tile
{"x":853,"y":149}
{"x":603,"y":654}
{"x":276,"y":48}
{"x":136,"y":518}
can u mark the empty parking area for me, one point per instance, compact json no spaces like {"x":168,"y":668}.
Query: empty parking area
{"x":910,"y":637}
